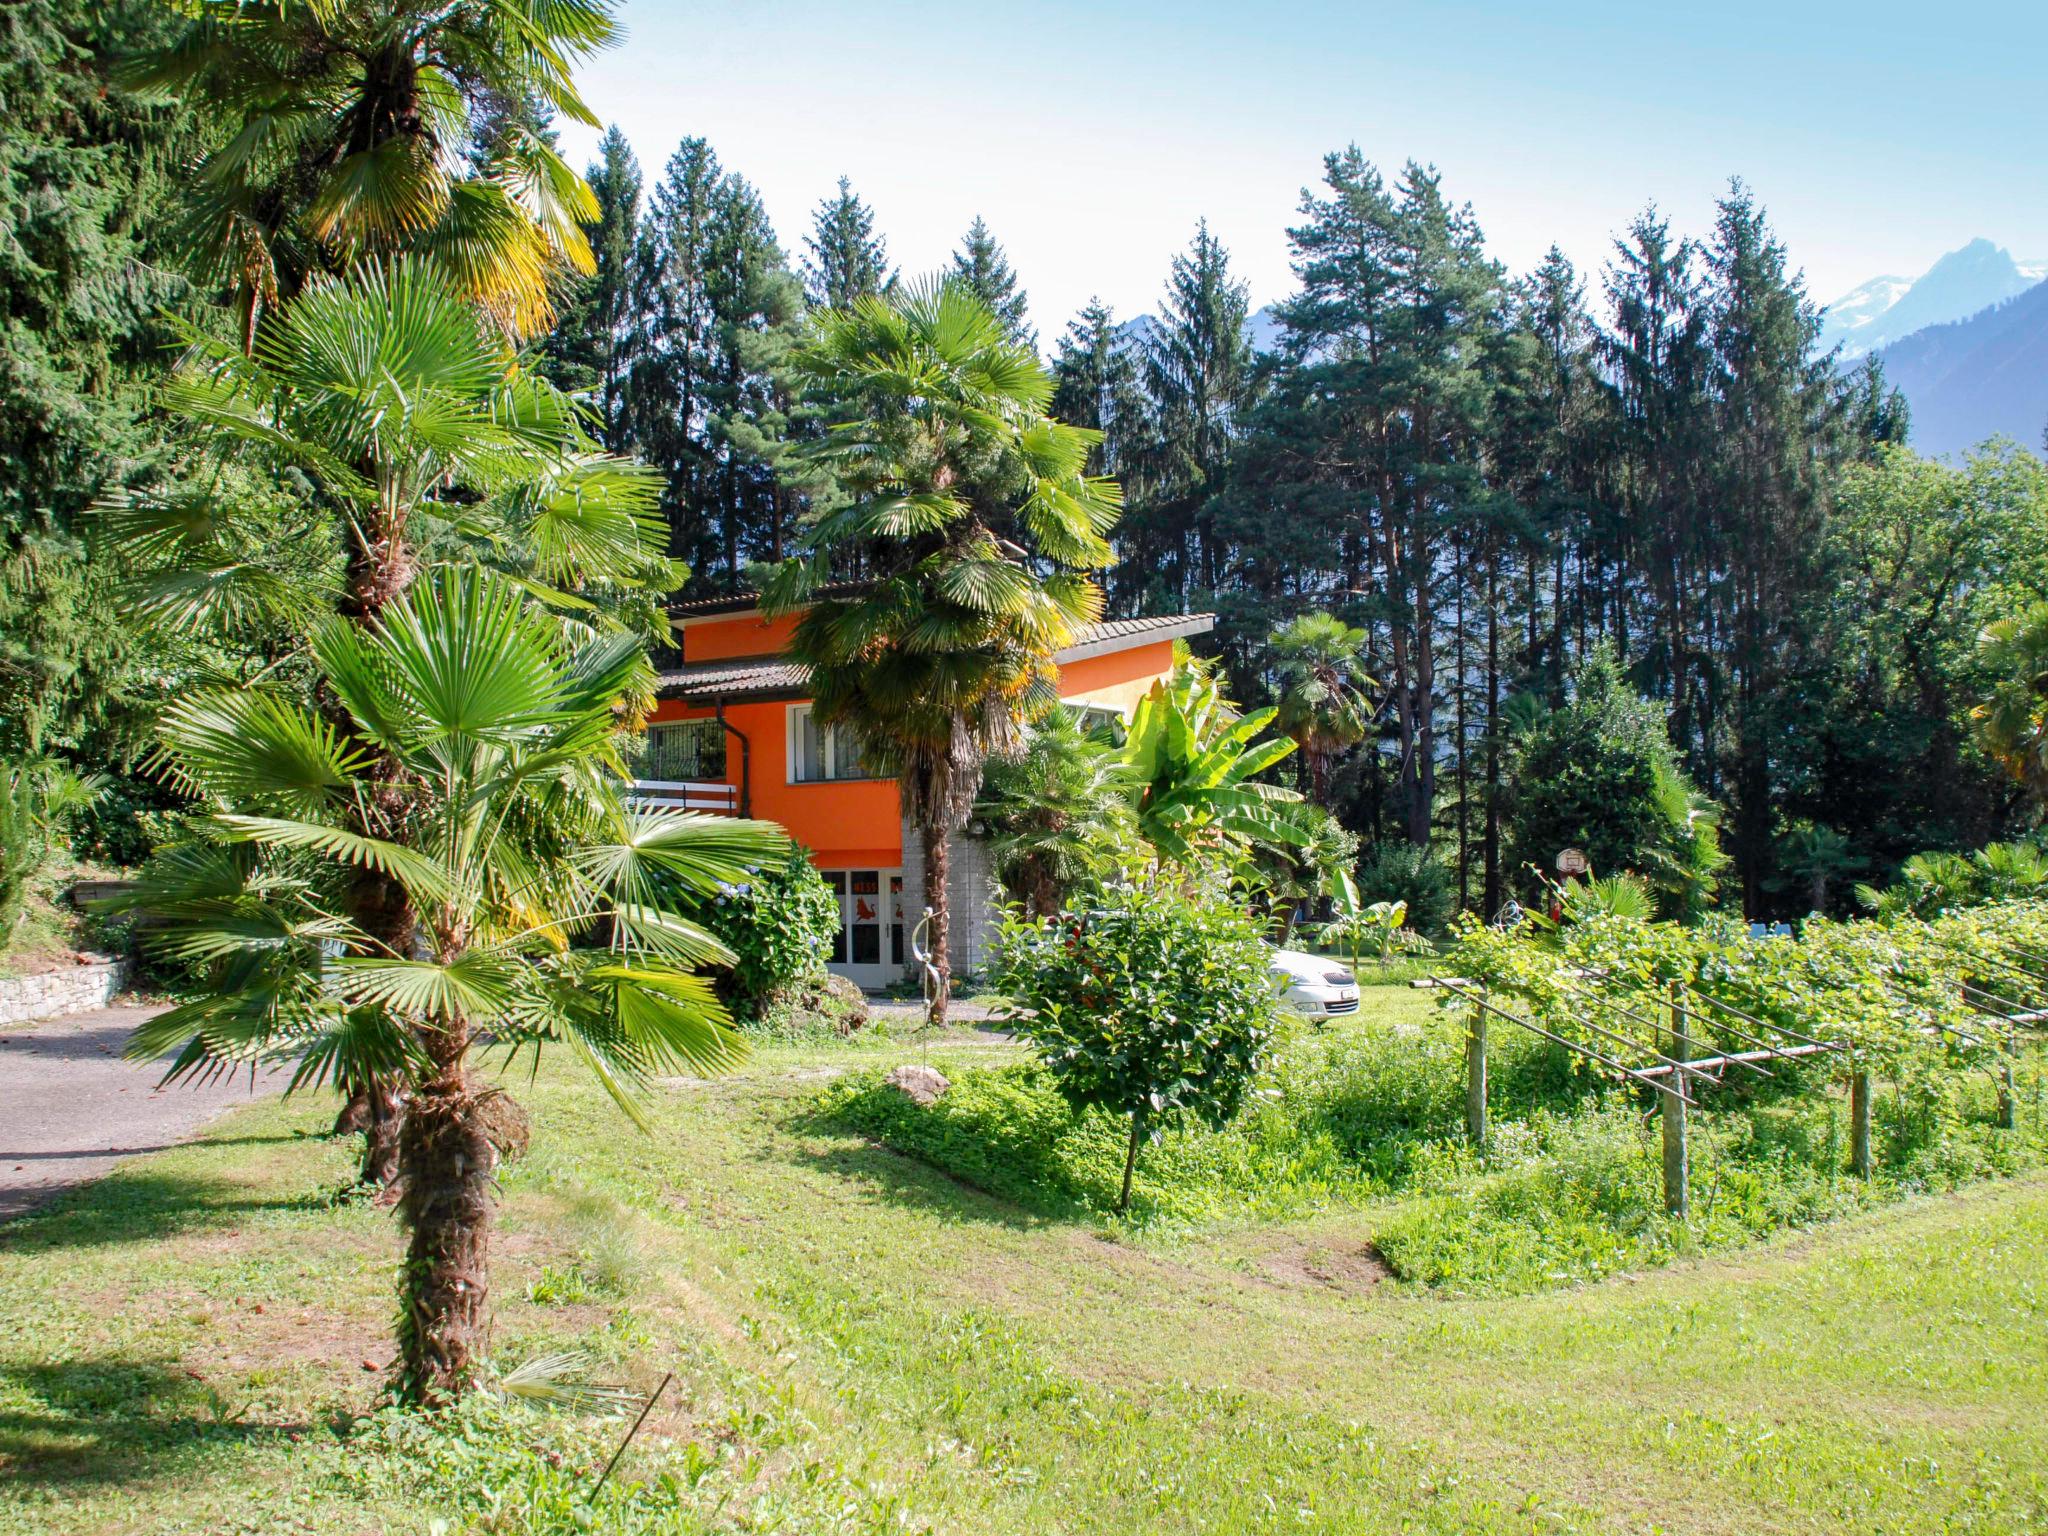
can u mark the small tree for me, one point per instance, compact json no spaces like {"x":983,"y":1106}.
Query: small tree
{"x":1325,"y":691}
{"x":1055,"y":813}
{"x":516,"y":839}
{"x":1153,"y":1007}
{"x":1600,"y":774}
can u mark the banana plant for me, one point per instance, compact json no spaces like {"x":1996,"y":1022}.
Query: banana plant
{"x":1191,"y":767}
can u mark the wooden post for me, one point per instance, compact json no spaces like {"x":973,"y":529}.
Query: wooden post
{"x":1475,"y":1078}
{"x":1859,"y":1122}
{"x":2007,"y":1108}
{"x":1671,"y":1112}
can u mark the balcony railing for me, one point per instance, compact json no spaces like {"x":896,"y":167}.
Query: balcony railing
{"x":684,"y":795}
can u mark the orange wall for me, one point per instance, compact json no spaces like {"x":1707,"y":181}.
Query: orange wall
{"x":744,"y":634}
{"x":1140,"y":661}
{"x":846,"y":823}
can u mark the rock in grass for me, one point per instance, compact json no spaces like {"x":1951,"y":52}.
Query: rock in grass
{"x":923,"y":1086}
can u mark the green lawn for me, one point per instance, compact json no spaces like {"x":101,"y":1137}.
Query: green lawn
{"x":863,"y":1343}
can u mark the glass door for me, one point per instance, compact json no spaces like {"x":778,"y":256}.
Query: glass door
{"x":868,"y":948}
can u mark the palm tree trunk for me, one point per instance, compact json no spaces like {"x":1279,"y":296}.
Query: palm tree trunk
{"x":378,"y":573}
{"x":937,"y":860}
{"x":453,"y":1138}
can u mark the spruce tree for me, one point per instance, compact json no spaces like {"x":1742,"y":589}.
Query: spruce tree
{"x":590,"y":352}
{"x":1197,"y":366}
{"x":85,"y":172}
{"x":1096,"y":385}
{"x":981,"y":264}
{"x":713,"y":401}
{"x":846,"y":259}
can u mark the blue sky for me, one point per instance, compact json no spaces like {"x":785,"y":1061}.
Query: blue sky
{"x":1093,"y":137}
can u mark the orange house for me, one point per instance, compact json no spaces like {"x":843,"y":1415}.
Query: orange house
{"x":733,"y":733}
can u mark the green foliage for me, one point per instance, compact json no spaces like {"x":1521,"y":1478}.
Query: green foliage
{"x":1599,"y":774}
{"x":514,"y":839}
{"x":1192,"y":763}
{"x":710,"y":390}
{"x":85,"y":168}
{"x":847,"y":260}
{"x":1325,"y":692}
{"x":1055,"y":812}
{"x":2012,"y":721}
{"x":346,"y":134}
{"x":1152,"y":1007}
{"x":38,"y":801}
{"x":1931,"y":884}
{"x":981,"y":266}
{"x":778,"y":923}
{"x":1414,"y":877}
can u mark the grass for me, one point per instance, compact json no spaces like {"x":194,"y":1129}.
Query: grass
{"x":865,"y":1342}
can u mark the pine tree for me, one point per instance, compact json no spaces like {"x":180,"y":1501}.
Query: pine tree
{"x":981,"y":264}
{"x":590,"y":352}
{"x":846,"y":259}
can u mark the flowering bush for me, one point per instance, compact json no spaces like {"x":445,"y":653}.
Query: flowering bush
{"x":779,"y":925}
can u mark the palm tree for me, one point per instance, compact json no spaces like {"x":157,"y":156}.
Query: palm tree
{"x":1055,"y":812}
{"x":1325,"y":702}
{"x":2013,"y":723}
{"x":357,"y":129}
{"x":515,"y":841}
{"x":1191,"y":769}
{"x":971,"y":521}
{"x":420,"y":431}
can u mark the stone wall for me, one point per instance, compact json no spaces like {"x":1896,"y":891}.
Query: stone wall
{"x":971,"y":888}
{"x":70,"y":989}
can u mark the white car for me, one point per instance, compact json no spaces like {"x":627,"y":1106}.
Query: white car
{"x":1314,"y":987}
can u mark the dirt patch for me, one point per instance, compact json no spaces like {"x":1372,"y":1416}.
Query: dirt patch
{"x":1347,"y":1267}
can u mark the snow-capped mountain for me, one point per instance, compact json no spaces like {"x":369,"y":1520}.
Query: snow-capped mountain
{"x":1262,"y":324}
{"x":1860,"y":308}
{"x":1886,"y":309}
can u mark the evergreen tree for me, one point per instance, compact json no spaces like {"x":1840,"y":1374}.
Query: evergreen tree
{"x":1096,"y":385}
{"x":590,"y":351}
{"x":981,"y":264}
{"x":846,"y":259}
{"x":1198,"y":374}
{"x":1776,"y":426}
{"x":84,"y":167}
{"x":713,"y":401}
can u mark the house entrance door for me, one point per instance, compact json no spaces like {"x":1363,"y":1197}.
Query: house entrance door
{"x":869,"y":949}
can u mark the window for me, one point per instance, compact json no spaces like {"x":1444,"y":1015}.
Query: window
{"x":682,"y":751}
{"x":817,"y":753}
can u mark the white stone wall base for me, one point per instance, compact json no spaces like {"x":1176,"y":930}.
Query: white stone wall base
{"x":54,"y":994}
{"x":975,"y":903}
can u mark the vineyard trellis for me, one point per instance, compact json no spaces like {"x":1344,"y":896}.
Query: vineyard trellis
{"x":1674,"y":1010}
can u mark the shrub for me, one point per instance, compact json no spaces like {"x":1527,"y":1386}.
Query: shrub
{"x":1153,"y":1007}
{"x":1601,"y":775}
{"x":779,"y":925}
{"x":1401,"y":872}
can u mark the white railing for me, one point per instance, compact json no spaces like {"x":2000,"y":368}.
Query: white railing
{"x":683,"y":795}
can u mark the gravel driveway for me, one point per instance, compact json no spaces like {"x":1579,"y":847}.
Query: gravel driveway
{"x":71,"y":1108}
